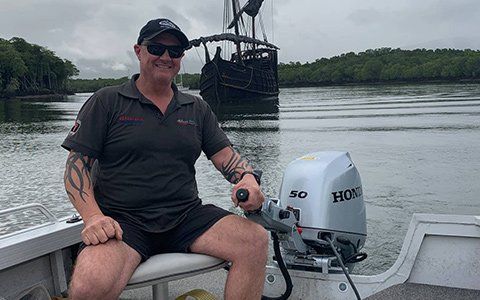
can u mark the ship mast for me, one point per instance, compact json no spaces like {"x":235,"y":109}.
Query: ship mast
{"x":237,"y":32}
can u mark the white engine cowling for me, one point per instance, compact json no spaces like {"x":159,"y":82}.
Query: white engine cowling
{"x":324,"y":191}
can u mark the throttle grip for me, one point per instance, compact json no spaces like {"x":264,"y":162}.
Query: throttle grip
{"x":242,"y":195}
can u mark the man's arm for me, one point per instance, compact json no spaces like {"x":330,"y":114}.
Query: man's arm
{"x":232,"y":166}
{"x":98,"y":228}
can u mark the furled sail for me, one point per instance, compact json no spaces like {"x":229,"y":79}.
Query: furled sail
{"x":230,"y":37}
{"x":251,"y":8}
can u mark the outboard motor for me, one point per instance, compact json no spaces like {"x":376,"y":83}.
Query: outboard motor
{"x":319,"y":219}
{"x":324,"y":192}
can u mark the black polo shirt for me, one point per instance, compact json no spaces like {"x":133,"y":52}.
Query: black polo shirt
{"x":146,"y":158}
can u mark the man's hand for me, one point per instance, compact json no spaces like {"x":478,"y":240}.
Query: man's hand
{"x":255,"y":198}
{"x":98,"y":229}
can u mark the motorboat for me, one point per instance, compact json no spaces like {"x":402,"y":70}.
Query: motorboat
{"x":318,"y":229}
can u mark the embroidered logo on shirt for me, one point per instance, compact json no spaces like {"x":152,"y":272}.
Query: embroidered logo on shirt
{"x":128,"y":120}
{"x":75,"y":127}
{"x":183,"y":122}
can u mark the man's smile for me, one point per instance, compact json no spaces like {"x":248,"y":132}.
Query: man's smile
{"x":163,"y":66}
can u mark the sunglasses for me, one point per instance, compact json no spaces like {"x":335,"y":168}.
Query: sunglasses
{"x":159,"y":49}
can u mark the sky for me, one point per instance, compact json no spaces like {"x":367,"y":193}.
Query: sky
{"x":98,"y":35}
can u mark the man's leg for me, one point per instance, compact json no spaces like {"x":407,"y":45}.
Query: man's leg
{"x":103,"y":271}
{"x":243,"y":243}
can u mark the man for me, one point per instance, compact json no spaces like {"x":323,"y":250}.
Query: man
{"x":145,"y":137}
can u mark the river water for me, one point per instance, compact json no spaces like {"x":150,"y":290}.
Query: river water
{"x":416,"y":148}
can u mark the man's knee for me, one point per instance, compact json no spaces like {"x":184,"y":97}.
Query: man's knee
{"x":257,"y":244}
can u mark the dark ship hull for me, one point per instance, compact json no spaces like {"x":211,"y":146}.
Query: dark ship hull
{"x":250,"y":74}
{"x":252,"y":79}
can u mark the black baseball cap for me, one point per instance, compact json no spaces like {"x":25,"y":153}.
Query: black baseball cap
{"x":157,"y":26}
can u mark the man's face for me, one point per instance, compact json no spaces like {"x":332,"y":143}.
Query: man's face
{"x":159,"y":68}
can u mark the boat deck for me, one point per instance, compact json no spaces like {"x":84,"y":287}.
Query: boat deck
{"x":213,"y":282}
{"x":415,"y":291}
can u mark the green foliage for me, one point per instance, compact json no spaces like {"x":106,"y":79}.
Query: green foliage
{"x":191,"y":81}
{"x":31,"y":69}
{"x":376,"y":66}
{"x":92,"y":85}
{"x":47,"y":71}
{"x":384,"y":65}
{"x":12,"y":67}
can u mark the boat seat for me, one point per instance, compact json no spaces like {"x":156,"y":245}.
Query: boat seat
{"x":160,"y":269}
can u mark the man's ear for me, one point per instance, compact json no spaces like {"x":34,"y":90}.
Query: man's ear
{"x":137,"y":50}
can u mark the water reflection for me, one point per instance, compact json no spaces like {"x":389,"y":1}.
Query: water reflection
{"x":261,"y":115}
{"x":31,"y":160}
{"x":261,"y":109}
{"x":28,"y":111}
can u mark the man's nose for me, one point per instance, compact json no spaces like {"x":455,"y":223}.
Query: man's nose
{"x":166,"y":55}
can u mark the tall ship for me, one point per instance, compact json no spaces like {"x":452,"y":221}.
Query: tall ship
{"x":244,"y":68}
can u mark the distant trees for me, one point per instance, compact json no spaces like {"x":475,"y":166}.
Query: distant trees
{"x":31,"y":69}
{"x":191,"y":80}
{"x":384,"y":65}
{"x":371,"y":66}
{"x":92,"y":85}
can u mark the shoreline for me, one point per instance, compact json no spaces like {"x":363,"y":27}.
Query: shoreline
{"x":33,"y":97}
{"x":379,"y":83}
{"x":296,"y":85}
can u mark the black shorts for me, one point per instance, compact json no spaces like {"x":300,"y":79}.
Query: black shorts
{"x":178,"y":239}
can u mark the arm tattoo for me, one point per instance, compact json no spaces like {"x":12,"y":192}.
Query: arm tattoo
{"x":233,"y":168}
{"x":82,"y":172}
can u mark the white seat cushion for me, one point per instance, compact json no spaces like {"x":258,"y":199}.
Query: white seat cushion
{"x":172,"y":266}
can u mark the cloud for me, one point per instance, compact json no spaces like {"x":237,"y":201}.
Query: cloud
{"x":95,"y":68}
{"x":98,"y":36}
{"x":119,"y":67}
{"x":365,"y":16}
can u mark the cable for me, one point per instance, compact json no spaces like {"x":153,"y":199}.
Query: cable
{"x":343,"y":267}
{"x":283,"y":269}
{"x":356,"y":257}
{"x":198,"y":54}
